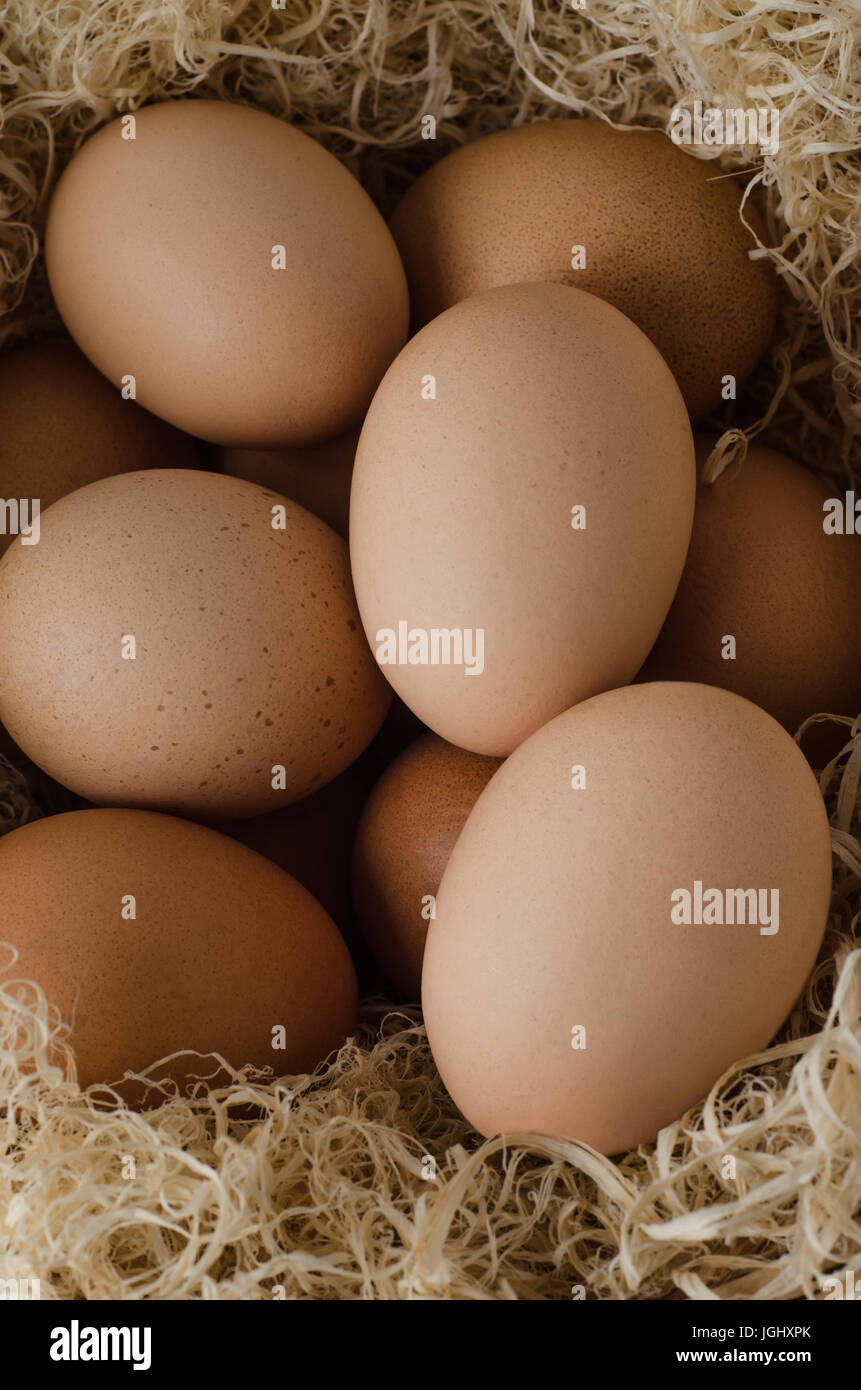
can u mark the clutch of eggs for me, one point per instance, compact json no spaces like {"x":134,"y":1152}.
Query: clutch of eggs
{"x":522,"y":495}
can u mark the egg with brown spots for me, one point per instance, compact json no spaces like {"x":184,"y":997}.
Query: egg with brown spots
{"x":185,"y":641}
{"x":152,"y":936}
{"x":659,"y":229}
{"x":408,"y":829}
{"x":63,"y":425}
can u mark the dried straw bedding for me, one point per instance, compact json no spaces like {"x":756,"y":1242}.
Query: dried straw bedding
{"x":324,"y":1194}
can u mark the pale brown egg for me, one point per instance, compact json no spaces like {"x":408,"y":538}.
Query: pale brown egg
{"x":633,"y":905}
{"x":521,"y":508}
{"x":63,"y":425}
{"x":769,"y":603}
{"x":317,"y":477}
{"x":627,"y":215}
{"x":185,"y":641}
{"x":408,"y":829}
{"x":231,"y":266}
{"x":152,"y":936}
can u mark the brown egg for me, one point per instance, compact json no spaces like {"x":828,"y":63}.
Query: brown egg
{"x":192,"y":645}
{"x":659,"y":229}
{"x":520,"y":513}
{"x":765,"y":583}
{"x":407,"y":832}
{"x":317,"y":477}
{"x":233,"y":267}
{"x":63,"y":425}
{"x":152,"y":935}
{"x":633,"y":905}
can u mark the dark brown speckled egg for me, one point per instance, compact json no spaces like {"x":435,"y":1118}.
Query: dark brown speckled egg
{"x":659,"y":228}
{"x":152,"y":935}
{"x":407,"y":832}
{"x":187,"y":642}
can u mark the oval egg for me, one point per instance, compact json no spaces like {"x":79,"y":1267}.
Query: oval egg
{"x":626,"y":215}
{"x":312,"y":839}
{"x":521,"y":508}
{"x":152,"y":936}
{"x":192,"y":645}
{"x":408,"y":829}
{"x":633,"y":905}
{"x":243,"y":277}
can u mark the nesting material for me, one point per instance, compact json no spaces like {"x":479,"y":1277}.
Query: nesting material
{"x":363,"y":1181}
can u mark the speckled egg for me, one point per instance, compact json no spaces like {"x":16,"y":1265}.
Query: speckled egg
{"x":188,"y":642}
{"x":317,"y":477}
{"x":627,"y":215}
{"x":769,"y":603}
{"x":62,"y":425}
{"x":408,"y":829}
{"x":520,"y":512}
{"x":633,"y":905}
{"x":232,"y":267}
{"x":152,"y":935}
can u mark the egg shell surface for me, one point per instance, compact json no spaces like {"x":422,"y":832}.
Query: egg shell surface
{"x":550,"y":408}
{"x":408,"y":829}
{"x":248,"y":651}
{"x":312,"y":839}
{"x":223,"y":947}
{"x":559,"y":994}
{"x":627,"y":215}
{"x":63,"y":425}
{"x":242,"y":276}
{"x":763,"y":571}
